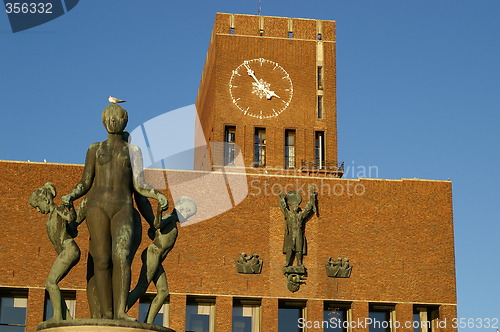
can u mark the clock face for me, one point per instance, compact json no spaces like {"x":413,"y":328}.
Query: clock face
{"x":260,"y":88}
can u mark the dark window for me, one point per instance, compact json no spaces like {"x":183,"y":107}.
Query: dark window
{"x":229,"y":145}
{"x":13,"y":311}
{"x":289,"y":313}
{"x":231,"y":31}
{"x":424,"y":318}
{"x":259,"y":155}
{"x":290,"y":148}
{"x":319,"y":36}
{"x":290,"y":34}
{"x":380,"y":316}
{"x":320,"y":150}
{"x":162,"y":316}
{"x":336,"y":314}
{"x":320,"y":77}
{"x":200,"y":315}
{"x":69,"y":303}
{"x":246,"y":315}
{"x":320,"y":107}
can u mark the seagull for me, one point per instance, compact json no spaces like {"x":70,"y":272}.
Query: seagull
{"x":114,"y":100}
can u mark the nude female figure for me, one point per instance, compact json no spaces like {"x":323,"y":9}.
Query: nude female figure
{"x":113,"y":171}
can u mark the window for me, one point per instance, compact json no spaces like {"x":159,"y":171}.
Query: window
{"x":259,"y":155}
{"x":338,"y":316}
{"x":200,"y":315}
{"x":320,"y":106}
{"x":319,"y":36}
{"x":320,"y":77}
{"x":231,"y":31}
{"x":424,"y":317}
{"x":13,"y":311}
{"x":289,"y":313}
{"x":289,"y":148}
{"x":69,"y":303}
{"x":229,"y":145}
{"x":320,"y":150}
{"x":246,"y":315}
{"x":381,"y":316}
{"x":161,"y":318}
{"x":290,"y":34}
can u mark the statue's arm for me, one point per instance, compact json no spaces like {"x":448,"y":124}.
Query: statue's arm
{"x":81,"y":215}
{"x":145,"y":209}
{"x":311,"y":204}
{"x":140,"y":184}
{"x":85,"y":183}
{"x":282,"y":201}
{"x":69,"y":214}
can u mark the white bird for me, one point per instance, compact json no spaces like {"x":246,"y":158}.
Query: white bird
{"x":114,"y":100}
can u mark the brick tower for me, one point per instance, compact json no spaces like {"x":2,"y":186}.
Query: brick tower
{"x":268,"y":91}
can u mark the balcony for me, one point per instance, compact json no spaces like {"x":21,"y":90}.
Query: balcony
{"x":322,"y":168}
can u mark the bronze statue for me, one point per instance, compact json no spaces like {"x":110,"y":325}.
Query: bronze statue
{"x":113,"y":171}
{"x":164,"y":235}
{"x":59,"y":234}
{"x":295,"y":244}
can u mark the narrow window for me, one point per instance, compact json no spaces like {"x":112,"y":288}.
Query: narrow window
{"x":319,"y":36}
{"x":69,"y":303}
{"x":320,"y":77}
{"x":246,"y":315}
{"x":290,"y":34}
{"x":320,"y":150}
{"x":320,"y":107}
{"x":231,"y":31}
{"x":144,"y":307}
{"x":13,"y":311}
{"x":337,"y":314}
{"x":229,"y":145}
{"x":289,"y":313}
{"x":200,"y":314}
{"x":424,"y":318}
{"x":259,"y":155}
{"x":381,"y":317}
{"x":290,"y":148}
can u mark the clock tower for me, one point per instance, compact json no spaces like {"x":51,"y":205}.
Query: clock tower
{"x":267,"y":97}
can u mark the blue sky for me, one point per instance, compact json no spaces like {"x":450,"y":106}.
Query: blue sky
{"x":418,"y":94}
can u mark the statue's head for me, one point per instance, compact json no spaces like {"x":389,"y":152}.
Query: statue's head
{"x":42,"y":198}
{"x":114,"y":118}
{"x":293,"y":199}
{"x":186,"y":207}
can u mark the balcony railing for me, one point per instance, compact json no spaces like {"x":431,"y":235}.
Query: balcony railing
{"x":324,"y":165}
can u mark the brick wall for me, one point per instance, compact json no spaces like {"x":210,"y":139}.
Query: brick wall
{"x":398,"y":235}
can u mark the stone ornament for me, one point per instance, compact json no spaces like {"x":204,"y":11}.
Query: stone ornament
{"x":249,"y":264}
{"x":339,"y":268}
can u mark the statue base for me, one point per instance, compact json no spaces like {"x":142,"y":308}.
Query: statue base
{"x":99,"y":325}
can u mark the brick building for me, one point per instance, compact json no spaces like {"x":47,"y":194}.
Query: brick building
{"x":275,"y":132}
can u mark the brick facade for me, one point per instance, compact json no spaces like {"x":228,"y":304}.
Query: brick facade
{"x":398,"y":236}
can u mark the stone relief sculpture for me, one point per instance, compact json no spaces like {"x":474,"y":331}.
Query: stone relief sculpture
{"x":295,"y":244}
{"x":164,"y":235}
{"x":339,"y":268}
{"x":249,"y":264}
{"x":61,"y":236}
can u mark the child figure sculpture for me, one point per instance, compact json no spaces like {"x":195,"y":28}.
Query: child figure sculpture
{"x":68,"y":252}
{"x":164,"y":236}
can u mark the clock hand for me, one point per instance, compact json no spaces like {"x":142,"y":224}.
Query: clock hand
{"x":252,"y":74}
{"x":270,"y":94}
